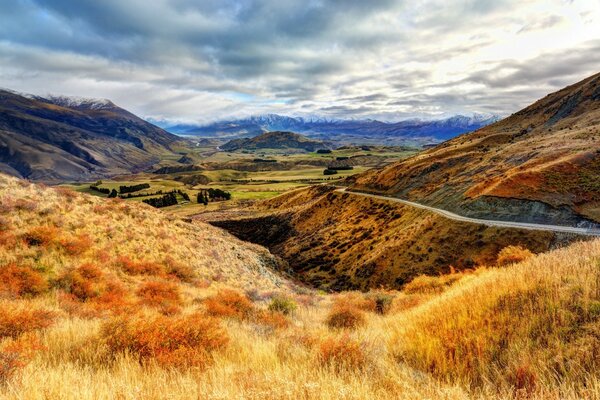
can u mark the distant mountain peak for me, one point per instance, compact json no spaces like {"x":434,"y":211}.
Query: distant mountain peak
{"x":79,"y":102}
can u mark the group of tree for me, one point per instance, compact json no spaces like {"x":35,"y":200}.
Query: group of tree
{"x":99,"y":189}
{"x":169,"y":199}
{"x":329,"y":172}
{"x":133,"y":188}
{"x":113,"y":194}
{"x":212,"y":194}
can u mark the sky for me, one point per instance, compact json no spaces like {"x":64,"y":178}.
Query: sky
{"x":198,"y":61}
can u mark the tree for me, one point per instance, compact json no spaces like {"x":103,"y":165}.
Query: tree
{"x":113,"y":194}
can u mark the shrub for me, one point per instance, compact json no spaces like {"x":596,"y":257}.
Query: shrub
{"x":424,"y":284}
{"x":178,"y":342}
{"x":15,"y":355}
{"x":345,"y":316}
{"x":283,"y":305}
{"x":139,"y":267}
{"x":19,"y":281}
{"x":83,"y":282}
{"x":41,"y":236}
{"x":18,"y":319}
{"x":342,"y":353}
{"x":275,"y":320}
{"x":183,"y":272}
{"x":229,"y":303}
{"x":160,"y":294}
{"x":382,"y":301}
{"x":513,"y":255}
{"x":77,"y":246}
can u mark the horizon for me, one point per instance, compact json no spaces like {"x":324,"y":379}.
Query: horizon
{"x":216,"y":61}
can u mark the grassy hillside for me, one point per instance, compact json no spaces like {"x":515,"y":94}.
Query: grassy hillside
{"x":105,"y":299}
{"x":540,"y":163}
{"x":340,"y":241}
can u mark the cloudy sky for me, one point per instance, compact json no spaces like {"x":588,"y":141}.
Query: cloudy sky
{"x":204,"y":60}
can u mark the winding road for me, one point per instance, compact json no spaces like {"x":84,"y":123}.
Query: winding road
{"x":487,"y":222}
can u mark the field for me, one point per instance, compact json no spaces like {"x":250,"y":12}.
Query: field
{"x":104,"y":299}
{"x":234,"y":173}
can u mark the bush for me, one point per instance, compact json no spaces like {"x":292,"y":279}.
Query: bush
{"x":139,"y":267}
{"x":83,"y":282}
{"x":342,"y":353}
{"x":345,"y":316}
{"x":41,"y":236}
{"x":424,"y":284}
{"x":275,"y":320}
{"x":229,"y":303}
{"x":161,"y":294}
{"x":179,"y":342}
{"x":20,"y":281}
{"x":15,"y":355}
{"x":77,"y":246}
{"x":382,"y":302}
{"x":283,"y":305}
{"x":16,"y":320}
{"x":183,"y":272}
{"x":513,"y":255}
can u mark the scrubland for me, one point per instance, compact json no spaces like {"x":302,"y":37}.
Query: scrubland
{"x":106,"y":300}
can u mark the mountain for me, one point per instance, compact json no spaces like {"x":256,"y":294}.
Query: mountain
{"x":541,"y":164}
{"x":353,"y":130}
{"x":65,"y":138}
{"x":275,"y":140}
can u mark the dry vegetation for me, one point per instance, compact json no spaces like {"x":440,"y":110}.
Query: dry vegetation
{"x":547,"y":152}
{"x":98,"y":325}
{"x":373,"y":243}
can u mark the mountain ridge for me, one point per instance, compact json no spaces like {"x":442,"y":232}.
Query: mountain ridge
{"x":63,"y":138}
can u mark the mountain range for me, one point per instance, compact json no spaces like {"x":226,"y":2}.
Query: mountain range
{"x":64,"y":138}
{"x":350,"y":130}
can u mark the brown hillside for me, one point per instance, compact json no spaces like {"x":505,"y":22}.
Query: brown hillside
{"x":339,"y":241}
{"x":540,"y":164}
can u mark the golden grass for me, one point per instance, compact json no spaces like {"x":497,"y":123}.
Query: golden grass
{"x":527,"y":330}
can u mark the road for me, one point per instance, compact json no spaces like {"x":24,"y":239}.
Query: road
{"x":487,"y":222}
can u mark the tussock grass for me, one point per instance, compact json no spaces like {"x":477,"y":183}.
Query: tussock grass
{"x":86,"y":325}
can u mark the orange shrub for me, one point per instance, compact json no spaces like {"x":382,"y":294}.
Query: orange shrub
{"x":15,"y":355}
{"x":41,"y":236}
{"x":182,"y":341}
{"x":342,"y":353}
{"x":18,"y":319}
{"x":229,"y":303}
{"x":345,"y":316}
{"x":77,"y":246}
{"x":183,"y":272}
{"x":513,"y":255}
{"x":18,"y":281}
{"x":139,"y":267}
{"x":424,"y":284}
{"x":83,"y":282}
{"x":275,"y":320}
{"x":161,"y":294}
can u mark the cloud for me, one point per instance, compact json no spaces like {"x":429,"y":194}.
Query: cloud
{"x":187,"y":60}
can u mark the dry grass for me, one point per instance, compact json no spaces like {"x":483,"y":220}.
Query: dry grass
{"x":98,"y":331}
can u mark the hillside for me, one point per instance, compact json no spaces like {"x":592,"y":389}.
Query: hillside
{"x":105,"y":299}
{"x":338,"y":241}
{"x":539,"y":165}
{"x":275,"y":140}
{"x":63,"y":138}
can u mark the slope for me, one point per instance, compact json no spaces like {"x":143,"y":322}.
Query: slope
{"x":62,"y":138}
{"x":538,"y":165}
{"x":340,"y":241}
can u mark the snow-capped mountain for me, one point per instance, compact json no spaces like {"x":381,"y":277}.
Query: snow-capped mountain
{"x":324,"y":128}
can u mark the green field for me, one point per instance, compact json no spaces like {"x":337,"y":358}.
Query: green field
{"x":245,"y":186}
